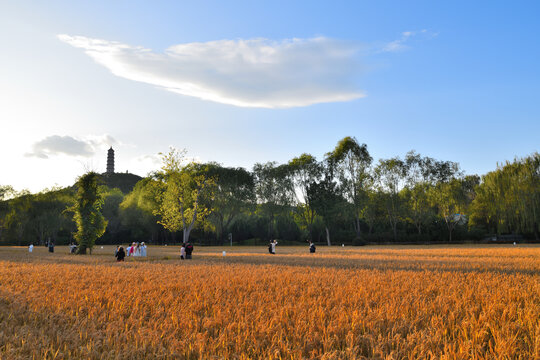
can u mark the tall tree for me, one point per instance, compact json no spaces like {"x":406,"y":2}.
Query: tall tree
{"x":274,"y":190}
{"x":112,"y":198}
{"x":234,"y":194}
{"x":181,"y":191}
{"x":420,"y":175}
{"x":304,"y":171}
{"x":352,"y":162}
{"x":90,"y":222}
{"x":390,"y":174}
{"x":326,"y":199}
{"x":452,"y":199}
{"x":508,"y":199}
{"x":137,"y":211}
{"x":6,"y":192}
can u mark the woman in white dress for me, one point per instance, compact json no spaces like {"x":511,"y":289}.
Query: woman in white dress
{"x":143,"y":249}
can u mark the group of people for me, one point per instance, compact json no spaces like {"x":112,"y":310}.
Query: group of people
{"x":135,"y":249}
{"x":185,"y":251}
{"x":273,"y":243}
{"x":48,"y":244}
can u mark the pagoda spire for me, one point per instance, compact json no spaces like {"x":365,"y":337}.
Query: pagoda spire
{"x":110,"y":161}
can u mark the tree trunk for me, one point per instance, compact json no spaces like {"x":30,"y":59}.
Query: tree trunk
{"x":186,"y":235}
{"x":358,"y":230}
{"x":328,"y":236}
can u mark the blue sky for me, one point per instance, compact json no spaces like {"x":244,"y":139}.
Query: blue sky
{"x":455,"y":80}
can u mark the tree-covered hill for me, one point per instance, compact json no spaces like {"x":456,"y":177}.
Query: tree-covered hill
{"x":123,"y":181}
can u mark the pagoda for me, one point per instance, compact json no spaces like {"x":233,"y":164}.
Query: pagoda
{"x":110,"y":161}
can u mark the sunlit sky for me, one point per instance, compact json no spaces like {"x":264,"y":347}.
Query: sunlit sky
{"x":240,"y":82}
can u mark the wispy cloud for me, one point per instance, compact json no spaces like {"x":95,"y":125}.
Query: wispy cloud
{"x":401,"y":43}
{"x":67,"y":145}
{"x":248,"y":73}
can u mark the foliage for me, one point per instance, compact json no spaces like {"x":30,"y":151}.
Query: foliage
{"x":137,"y":212}
{"x":344,"y":198}
{"x":182,"y":193}
{"x":389,"y":176}
{"x":234,"y":194}
{"x":304,"y":171}
{"x":274,"y":190}
{"x":508,"y":199}
{"x":90,"y":222}
{"x":351,"y":161}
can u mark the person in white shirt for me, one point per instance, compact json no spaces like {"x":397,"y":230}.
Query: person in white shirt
{"x":183,"y":252}
{"x":31,"y":248}
{"x":274,"y":243}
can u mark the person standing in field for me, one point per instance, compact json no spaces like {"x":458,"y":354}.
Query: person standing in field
{"x":120,"y":254}
{"x":31,"y":248}
{"x":311,"y":248}
{"x":189,"y":250}
{"x":143,"y":249}
{"x":183,"y":251}
{"x":274,"y":243}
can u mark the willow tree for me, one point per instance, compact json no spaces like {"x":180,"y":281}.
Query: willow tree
{"x":183,"y":192}
{"x":90,"y":222}
{"x":509,"y":197}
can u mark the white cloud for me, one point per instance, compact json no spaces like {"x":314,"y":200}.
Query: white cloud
{"x":67,"y":145}
{"x":248,"y":73}
{"x":401,"y":43}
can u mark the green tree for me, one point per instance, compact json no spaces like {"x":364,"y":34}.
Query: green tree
{"x":17,"y":218}
{"x":420,"y":174}
{"x":47,"y":215}
{"x":304,"y":171}
{"x":326,"y":199}
{"x":137,"y":211}
{"x":389,"y":175}
{"x":112,"y":198}
{"x":182,"y":193}
{"x":452,"y":200}
{"x":352,"y":163}
{"x":508,"y":199}
{"x":234,"y":195}
{"x":274,"y":190}
{"x":90,"y":222}
{"x":6,"y":192}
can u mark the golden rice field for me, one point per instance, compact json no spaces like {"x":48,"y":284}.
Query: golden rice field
{"x":462,"y":302}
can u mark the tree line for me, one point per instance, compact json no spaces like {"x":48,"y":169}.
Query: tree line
{"x":345,"y":197}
